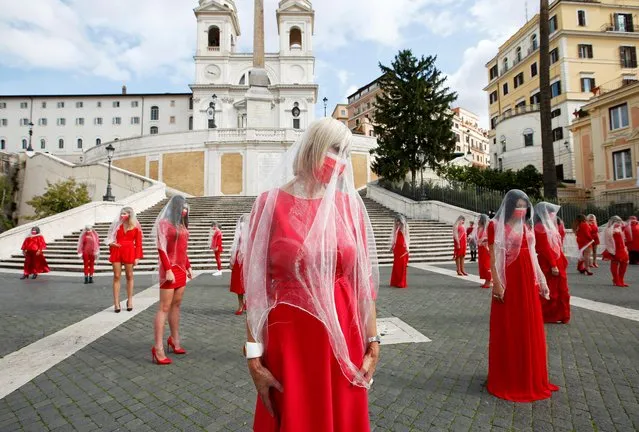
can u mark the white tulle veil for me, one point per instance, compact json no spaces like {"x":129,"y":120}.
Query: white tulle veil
{"x":238,"y":244}
{"x":168,"y":227}
{"x":546,"y":216}
{"x":115,"y":225}
{"x":315,"y":179}
{"x":403,"y":227}
{"x":88,"y":230}
{"x":614,"y":225}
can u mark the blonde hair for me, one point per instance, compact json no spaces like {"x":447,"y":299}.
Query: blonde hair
{"x":319,"y":136}
{"x":132,"y":218}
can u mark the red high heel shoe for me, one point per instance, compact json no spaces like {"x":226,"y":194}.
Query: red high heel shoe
{"x":171,"y":346}
{"x":241,"y":310}
{"x":154,"y":354}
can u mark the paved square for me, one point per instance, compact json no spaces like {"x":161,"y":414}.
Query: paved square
{"x":111,"y":384}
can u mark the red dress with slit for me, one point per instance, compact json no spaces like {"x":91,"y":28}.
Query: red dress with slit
{"x":237,"y":281}
{"x":483,"y":255}
{"x":317,"y":396}
{"x":460,"y":245}
{"x":400,"y":262}
{"x":557,"y":309}
{"x":130,"y":246}
{"x":517,"y":364}
{"x":177,"y":243}
{"x":34,"y":260}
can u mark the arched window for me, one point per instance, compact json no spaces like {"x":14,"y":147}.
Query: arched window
{"x":533,"y":42}
{"x":214,"y":38}
{"x":295,"y":38}
{"x":155,"y":113}
{"x":191,"y":123}
{"x":61,"y":143}
{"x":243,"y":80}
{"x":3,"y":144}
{"x":24,"y":143}
{"x":505,"y":64}
{"x":98,"y":141}
{"x":518,"y":53}
{"x":79,"y":143}
{"x":154,"y":130}
{"x":43,"y":143}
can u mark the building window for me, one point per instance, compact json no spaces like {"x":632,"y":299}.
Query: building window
{"x":3,"y":144}
{"x":24,"y":143}
{"x":554,"y":56}
{"x":191,"y":123}
{"x":24,"y":122}
{"x":581,"y":18}
{"x":558,"y":134}
{"x":79,"y":104}
{"x":623,"y":22}
{"x":295,"y":38}
{"x":528,"y":138}
{"x":154,"y":130}
{"x":172,"y":104}
{"x":587,"y":84}
{"x":43,"y":144}
{"x":628,"y":57}
{"x":519,"y":79}
{"x":134,"y":104}
{"x":61,"y":143}
{"x":98,"y":121}
{"x":559,"y":170}
{"x":555,"y":113}
{"x":493,"y":122}
{"x":505,"y":89}
{"x":211,"y":124}
{"x":457,"y":138}
{"x":117,"y":120}
{"x":493,"y":97}
{"x":79,"y":121}
{"x":191,"y":103}
{"x":552,"y":24}
{"x":98,"y":141}
{"x":24,"y":105}
{"x":494,"y":73}
{"x":555,"y":89}
{"x":4,"y":122}
{"x":60,"y":104}
{"x":62,"y":122}
{"x":214,"y":38}
{"x":3,"y":105}
{"x":135,"y":120}
{"x":533,"y":70}
{"x":79,"y":143}
{"x":155,"y":113}
{"x":42,"y":122}
{"x":521,"y":104}
{"x":116,"y":104}
{"x":518,"y":55}
{"x":44,"y":105}
{"x":585,"y":51}
{"x":296,"y":123}
{"x":622,"y":164}
{"x":505,"y":69}
{"x":99,"y":104}
{"x":533,"y":42}
{"x":618,"y":117}
{"x":172,"y":120}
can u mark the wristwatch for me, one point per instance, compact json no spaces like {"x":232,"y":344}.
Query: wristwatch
{"x":376,"y":338}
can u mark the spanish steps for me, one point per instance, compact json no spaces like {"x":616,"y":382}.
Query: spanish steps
{"x":430,"y":240}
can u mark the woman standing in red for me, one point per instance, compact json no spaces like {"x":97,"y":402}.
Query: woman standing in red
{"x":632,"y":239}
{"x":89,"y":250}
{"x":311,"y":279}
{"x":237,"y":281}
{"x":216,"y":247}
{"x":459,"y":239}
{"x":553,"y":263}
{"x":583,"y":234}
{"x":517,"y":364}
{"x":125,"y":244}
{"x":616,"y":251}
{"x":481,"y":235}
{"x":400,"y":242}
{"x":171,"y":234}
{"x":34,"y":260}
{"x":594,"y":233}
{"x":562,"y":230}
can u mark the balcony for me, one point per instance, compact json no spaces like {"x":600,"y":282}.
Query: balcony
{"x":621,"y":29}
{"x":214,"y":48}
{"x":527,"y":109}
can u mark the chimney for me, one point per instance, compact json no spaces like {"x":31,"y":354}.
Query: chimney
{"x":123,"y":89}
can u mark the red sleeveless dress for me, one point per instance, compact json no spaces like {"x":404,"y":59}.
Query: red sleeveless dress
{"x":400,"y":262}
{"x":460,"y":246}
{"x":557,"y":309}
{"x":483,"y":255}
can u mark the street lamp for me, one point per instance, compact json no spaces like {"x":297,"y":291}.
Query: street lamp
{"x":29,"y":148}
{"x":211,"y":112}
{"x":325,"y":100}
{"x":109,"y":196}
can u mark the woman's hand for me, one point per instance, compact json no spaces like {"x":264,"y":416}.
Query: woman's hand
{"x":170,"y":276}
{"x":264,"y":380}
{"x":114,"y":244}
{"x":189,"y":273}
{"x":39,"y":252}
{"x":498,"y":290}
{"x":370,"y":361}
{"x":555,"y":271}
{"x":136,"y":262}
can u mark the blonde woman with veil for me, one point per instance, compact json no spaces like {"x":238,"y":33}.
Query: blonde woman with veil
{"x":400,"y":243}
{"x":237,"y":281}
{"x":311,"y":278}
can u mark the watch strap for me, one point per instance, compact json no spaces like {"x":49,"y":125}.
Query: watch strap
{"x":254,"y":350}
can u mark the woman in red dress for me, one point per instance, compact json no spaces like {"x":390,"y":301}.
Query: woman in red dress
{"x":171,"y":234}
{"x":553,"y":263}
{"x":562,"y":230}
{"x":125,"y":247}
{"x":237,"y":281}
{"x":216,"y":247}
{"x":400,"y":242}
{"x":616,"y":251}
{"x":34,"y":260}
{"x":517,"y":364}
{"x":583,"y":234}
{"x":89,"y":250}
{"x":459,"y":239}
{"x":594,"y":233}
{"x":632,"y":239}
{"x":310,"y":272}
{"x":481,"y":236}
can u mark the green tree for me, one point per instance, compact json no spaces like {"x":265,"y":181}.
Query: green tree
{"x":59,"y":197}
{"x":547,"y":145}
{"x":6,"y":203}
{"x":413,"y":120}
{"x":527,"y":179}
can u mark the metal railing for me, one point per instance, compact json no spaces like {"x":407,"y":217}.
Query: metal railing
{"x":526,"y":109}
{"x":614,"y":27}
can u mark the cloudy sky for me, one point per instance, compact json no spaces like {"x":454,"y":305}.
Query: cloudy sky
{"x":94,"y":46}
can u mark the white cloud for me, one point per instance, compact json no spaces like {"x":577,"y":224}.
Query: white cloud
{"x":349,"y":91}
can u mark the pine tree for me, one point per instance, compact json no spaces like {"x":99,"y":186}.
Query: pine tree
{"x":413,"y":118}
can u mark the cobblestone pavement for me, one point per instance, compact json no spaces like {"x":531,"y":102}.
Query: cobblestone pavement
{"x":111,"y":384}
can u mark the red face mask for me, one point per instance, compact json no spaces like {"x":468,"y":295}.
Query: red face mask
{"x":552,"y":215}
{"x":185,"y":212}
{"x":325,"y":172}
{"x":124,"y":217}
{"x":519,"y":213}
{"x":34,"y":233}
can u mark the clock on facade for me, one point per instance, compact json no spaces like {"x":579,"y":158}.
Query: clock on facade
{"x":213,"y":72}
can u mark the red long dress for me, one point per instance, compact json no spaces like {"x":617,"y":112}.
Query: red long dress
{"x":88,"y":246}
{"x":237,"y":280}
{"x":633,"y":238}
{"x":216,"y":246}
{"x":317,"y":396}
{"x":594,"y":233}
{"x":584,"y":235}
{"x":460,"y":246}
{"x":34,"y":260}
{"x":618,"y":261}
{"x":483,"y":254}
{"x":517,"y":364}
{"x":400,"y":262}
{"x":177,"y":243}
{"x":557,"y":309}
{"x":130,"y":246}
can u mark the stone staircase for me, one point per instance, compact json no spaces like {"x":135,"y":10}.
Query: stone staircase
{"x":430,"y":241}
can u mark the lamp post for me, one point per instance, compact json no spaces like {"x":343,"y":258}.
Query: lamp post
{"x":325,"y":100}
{"x":109,"y":196}
{"x":30,"y":148}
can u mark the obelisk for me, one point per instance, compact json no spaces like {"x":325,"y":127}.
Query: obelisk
{"x":259,"y":100}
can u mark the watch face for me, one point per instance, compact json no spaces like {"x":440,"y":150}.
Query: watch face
{"x":213,"y":71}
